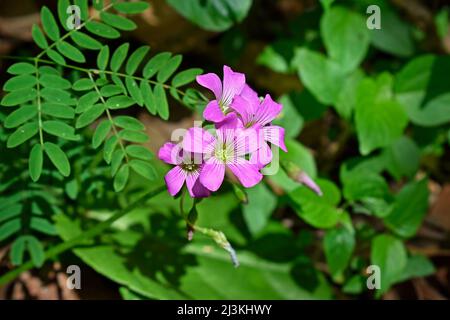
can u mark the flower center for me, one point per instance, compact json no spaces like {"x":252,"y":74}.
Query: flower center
{"x":190,"y":167}
{"x":223,"y":153}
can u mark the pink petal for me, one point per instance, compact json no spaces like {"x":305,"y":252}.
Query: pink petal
{"x":244,"y":109}
{"x":174,"y":180}
{"x":212,"y":174}
{"x":262,"y":156}
{"x":195,"y":188}
{"x":198,"y":140}
{"x":231,"y":121}
{"x":248,"y":174}
{"x":267,"y":111}
{"x":248,"y":140}
{"x":233,"y":83}
{"x":170,"y":153}
{"x":252,"y":97}
{"x":275,"y":135}
{"x":212,"y":82}
{"x":213,"y":112}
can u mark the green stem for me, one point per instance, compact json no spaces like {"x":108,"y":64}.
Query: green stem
{"x":108,"y":114}
{"x":69,"y":66}
{"x":89,"y":234}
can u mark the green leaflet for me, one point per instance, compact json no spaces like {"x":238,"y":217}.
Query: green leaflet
{"x":60,"y":129}
{"x":119,"y":102}
{"x":54,"y":81}
{"x":119,"y":56}
{"x":134,"y":91}
{"x":70,"y":51}
{"x":58,"y":110}
{"x":49,"y":24}
{"x":144,"y":169}
{"x":127,"y":122}
{"x":39,"y":37}
{"x":55,"y":56}
{"x":90,"y":115}
{"x":18,"y":97}
{"x":20,"y":116}
{"x":101,"y":132}
{"x":117,"y":21}
{"x":102,"y":30}
{"x":131,"y":7}
{"x":35,"y":162}
{"x":185,"y":77}
{"x":21,"y":68}
{"x":121,"y":178}
{"x":103,"y":57}
{"x":169,"y":68}
{"x":19,"y":82}
{"x":162,"y":105}
{"x":22,"y":134}
{"x":139,"y":152}
{"x":85,"y":41}
{"x":135,"y":59}
{"x":58,"y":158}
{"x":155,"y":64}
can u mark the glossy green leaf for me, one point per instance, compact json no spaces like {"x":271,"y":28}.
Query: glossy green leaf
{"x":338,"y":245}
{"x":389,"y":254}
{"x":70,"y":51}
{"x":133,"y":136}
{"x":110,"y":90}
{"x":169,"y":68}
{"x":119,"y":56}
{"x":130,"y":123}
{"x":134,"y":90}
{"x":90,"y":115}
{"x":109,"y":147}
{"x":87,"y":101}
{"x":155,"y":64}
{"x":103,"y":58}
{"x":380,"y":120}
{"x":35,"y":162}
{"x":49,"y":24}
{"x":60,"y":129}
{"x":38,"y":37}
{"x":148,"y":98}
{"x":58,"y":110}
{"x":409,"y":209}
{"x":131,"y":7}
{"x":83,"y":84}
{"x":9,"y":228}
{"x":144,"y":169}
{"x":162,"y":105}
{"x":55,"y":56}
{"x":57,"y":96}
{"x":117,"y":21}
{"x":18,"y":97}
{"x":36,"y":251}
{"x":58,"y":158}
{"x":18,"y":250}
{"x":101,"y":132}
{"x":261,"y":203}
{"x":62,"y":14}
{"x":119,"y":102}
{"x":116,"y":161}
{"x":20,"y":116}
{"x":138,"y":152}
{"x":185,"y":77}
{"x":102,"y":30}
{"x":346,"y":37}
{"x":121,"y":178}
{"x":43,"y":226}
{"x":85,"y":41}
{"x":135,"y":59}
{"x":22,"y":134}
{"x":21,"y":68}
{"x":54,"y":81}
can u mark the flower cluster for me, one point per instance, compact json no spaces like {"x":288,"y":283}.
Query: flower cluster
{"x":242,"y":139}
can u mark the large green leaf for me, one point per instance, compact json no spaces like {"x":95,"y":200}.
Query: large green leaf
{"x":346,"y":37}
{"x":338,"y":244}
{"x":380,"y":120}
{"x":261,"y":203}
{"x":318,"y":211}
{"x":422,"y":88}
{"x":157,"y":263}
{"x":409,"y":209}
{"x":214,"y":15}
{"x":389,"y":254}
{"x":322,"y":76}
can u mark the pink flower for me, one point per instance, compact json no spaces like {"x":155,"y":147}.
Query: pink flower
{"x":233,"y":83}
{"x":228,"y":150}
{"x":187,"y":168}
{"x":258,"y":116}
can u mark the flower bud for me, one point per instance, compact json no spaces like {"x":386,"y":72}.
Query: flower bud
{"x":300,"y":176}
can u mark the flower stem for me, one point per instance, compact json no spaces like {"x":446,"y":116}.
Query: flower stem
{"x":89,"y":234}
